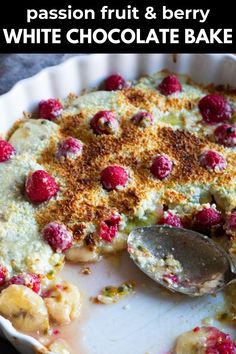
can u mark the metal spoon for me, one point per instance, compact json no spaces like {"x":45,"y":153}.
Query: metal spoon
{"x":181,"y":260}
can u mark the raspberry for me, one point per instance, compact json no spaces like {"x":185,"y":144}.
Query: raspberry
{"x":196,"y":329}
{"x":32,"y":281}
{"x":215,"y":108}
{"x":109,"y":228}
{"x":207,"y":217}
{"x":212,"y":161}
{"x":3,"y":274}
{"x":143,"y":119}
{"x":50,"y":109}
{"x":161,"y":167}
{"x":104,"y":122}
{"x":170,"y":84}
{"x":230,"y":223}
{"x":171,"y":278}
{"x":170,"y":219}
{"x":115,"y":82}
{"x":57,"y":236}
{"x":40,"y":187}
{"x":218,"y":342}
{"x":113,"y":177}
{"x":69,"y":147}
{"x":225,"y":134}
{"x":6,"y":151}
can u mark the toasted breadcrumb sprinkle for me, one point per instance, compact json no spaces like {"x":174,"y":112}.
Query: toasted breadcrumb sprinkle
{"x":85,"y":271}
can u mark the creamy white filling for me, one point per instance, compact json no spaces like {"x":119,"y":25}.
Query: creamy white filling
{"x":21,"y":246}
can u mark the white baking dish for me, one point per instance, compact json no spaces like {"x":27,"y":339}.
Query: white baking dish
{"x":154,"y":318}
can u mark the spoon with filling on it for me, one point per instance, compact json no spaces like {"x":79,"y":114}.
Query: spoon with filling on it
{"x":181,"y":260}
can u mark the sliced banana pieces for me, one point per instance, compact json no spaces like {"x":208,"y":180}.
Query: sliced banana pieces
{"x":59,"y":347}
{"x":63,"y":303}
{"x":191,"y":342}
{"x":81,"y":254}
{"x":24,"y":308}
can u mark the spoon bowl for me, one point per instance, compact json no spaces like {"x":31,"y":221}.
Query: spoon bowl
{"x":181,"y":260}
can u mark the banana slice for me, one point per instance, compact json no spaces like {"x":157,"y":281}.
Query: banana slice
{"x":24,"y":308}
{"x":63,"y":303}
{"x":59,"y":347}
{"x":81,"y":254}
{"x":191,"y":342}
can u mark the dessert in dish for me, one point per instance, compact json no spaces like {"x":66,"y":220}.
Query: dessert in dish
{"x":79,"y":176}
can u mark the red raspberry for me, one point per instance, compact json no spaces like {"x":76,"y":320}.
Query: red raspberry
{"x":171,"y":278}
{"x":215,"y":108}
{"x":207,"y":217}
{"x":3,"y":274}
{"x":6,"y":151}
{"x":212,"y":161}
{"x":32,"y":281}
{"x":230,"y":223}
{"x":218,"y":342}
{"x":57,"y":236}
{"x":115,"y":82}
{"x":196,"y":329}
{"x":113,"y":177}
{"x":225,"y":134}
{"x":50,"y":109}
{"x":109,"y":228}
{"x":170,"y":219}
{"x":69,"y":147}
{"x":161,"y":167}
{"x":40,"y":187}
{"x":104,"y":122}
{"x":143,"y":119}
{"x":170,"y":84}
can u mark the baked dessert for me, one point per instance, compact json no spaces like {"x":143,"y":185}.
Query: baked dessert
{"x":76,"y":179}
